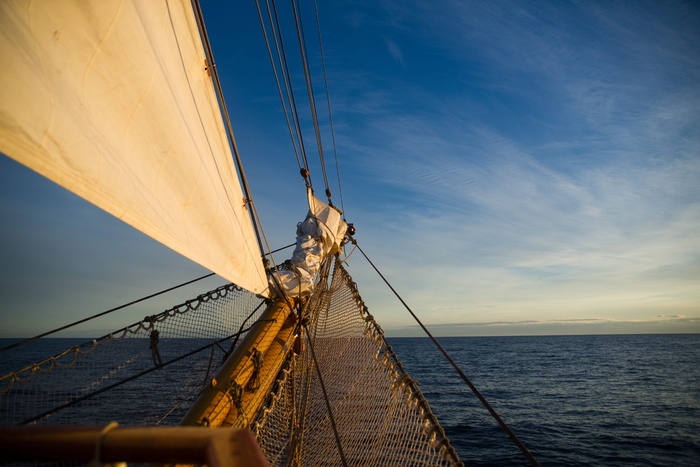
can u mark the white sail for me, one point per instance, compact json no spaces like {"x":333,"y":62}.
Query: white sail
{"x":111,"y":99}
{"x":321,"y":234}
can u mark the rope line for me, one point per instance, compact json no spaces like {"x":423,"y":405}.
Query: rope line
{"x":290,"y":126}
{"x":328,"y":102}
{"x":287,"y":98}
{"x":257,"y":225}
{"x":288,"y":83}
{"x":53,"y":331}
{"x":283,"y":248}
{"x":126,"y":380}
{"x":473,"y":388}
{"x":279,"y":85}
{"x":31,"y":339}
{"x":145,"y":325}
{"x":263,"y":244}
{"x":327,"y":401}
{"x":240,"y":330}
{"x":310,"y":92}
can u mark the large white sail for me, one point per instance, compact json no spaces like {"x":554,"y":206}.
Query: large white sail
{"x":111,"y":99}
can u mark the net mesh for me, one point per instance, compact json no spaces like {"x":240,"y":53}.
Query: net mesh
{"x":129,"y":376}
{"x":380,"y":415}
{"x":137,"y":378}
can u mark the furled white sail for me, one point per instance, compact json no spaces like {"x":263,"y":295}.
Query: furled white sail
{"x":321,"y":234}
{"x":111,"y":99}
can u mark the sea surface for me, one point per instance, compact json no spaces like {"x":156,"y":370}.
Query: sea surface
{"x":607,"y":400}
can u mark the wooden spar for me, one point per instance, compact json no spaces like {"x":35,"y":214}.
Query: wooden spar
{"x":273,"y":360}
{"x":185,"y":445}
{"x":215,"y":402}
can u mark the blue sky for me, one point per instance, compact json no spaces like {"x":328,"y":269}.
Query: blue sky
{"x":511,"y":167}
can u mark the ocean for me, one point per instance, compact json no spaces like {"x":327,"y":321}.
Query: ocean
{"x":612,"y":400}
{"x":609,"y":400}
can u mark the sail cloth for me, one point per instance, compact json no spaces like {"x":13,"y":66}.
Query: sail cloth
{"x":111,"y":99}
{"x":321,"y":234}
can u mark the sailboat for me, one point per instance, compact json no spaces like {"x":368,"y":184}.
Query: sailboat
{"x":120,"y":102}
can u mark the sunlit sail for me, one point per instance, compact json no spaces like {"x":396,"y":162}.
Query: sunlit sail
{"x":113,"y":100}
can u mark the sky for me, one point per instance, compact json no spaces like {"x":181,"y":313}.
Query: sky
{"x":512,"y":168}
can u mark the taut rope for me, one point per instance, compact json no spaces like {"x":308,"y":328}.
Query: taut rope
{"x":473,"y":388}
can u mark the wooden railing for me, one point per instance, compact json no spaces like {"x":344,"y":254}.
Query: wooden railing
{"x":216,"y":447}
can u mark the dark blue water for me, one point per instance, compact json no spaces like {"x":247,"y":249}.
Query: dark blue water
{"x":620,"y":400}
{"x":631,"y":400}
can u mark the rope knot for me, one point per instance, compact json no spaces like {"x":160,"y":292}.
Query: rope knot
{"x":254,"y":382}
{"x":235,"y":391}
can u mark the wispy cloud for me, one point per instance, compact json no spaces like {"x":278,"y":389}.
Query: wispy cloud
{"x":587,"y":202}
{"x":395,"y":51}
{"x":529,"y":164}
{"x":678,"y":324}
{"x":649,"y":320}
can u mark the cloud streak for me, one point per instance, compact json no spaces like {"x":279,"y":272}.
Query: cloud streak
{"x":670,"y":324}
{"x":510,"y":165}
{"x":651,"y":320}
{"x":560,"y":177}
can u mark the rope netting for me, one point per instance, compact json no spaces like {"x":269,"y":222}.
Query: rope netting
{"x":150,"y":373}
{"x":381,"y":416}
{"x":145,"y":374}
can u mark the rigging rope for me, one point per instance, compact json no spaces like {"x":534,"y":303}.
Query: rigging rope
{"x":473,"y":388}
{"x":288,"y":82}
{"x":92,"y":394}
{"x":328,"y":102}
{"x":327,"y":401}
{"x":211,"y":67}
{"x":287,"y":98}
{"x":280,"y":66}
{"x":31,"y":339}
{"x":292,"y":128}
{"x":310,"y":92}
{"x":283,"y":248}
{"x":263,"y":244}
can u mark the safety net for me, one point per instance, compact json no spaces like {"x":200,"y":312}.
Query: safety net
{"x":345,"y":399}
{"x":144,"y":374}
{"x":340,"y":398}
